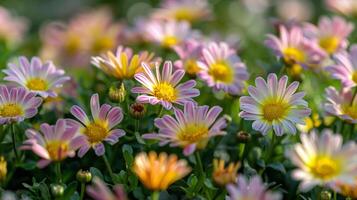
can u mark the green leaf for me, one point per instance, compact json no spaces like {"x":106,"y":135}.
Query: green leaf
{"x":96,"y":172}
{"x":192,"y":181}
{"x":208,"y":184}
{"x":70,"y":190}
{"x":44,"y":191}
{"x":278,"y":167}
{"x":128,"y":155}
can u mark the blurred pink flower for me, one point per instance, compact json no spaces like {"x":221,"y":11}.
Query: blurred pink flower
{"x":54,"y":143}
{"x":189,"y":52}
{"x":12,"y":29}
{"x":346,"y":7}
{"x":100,"y":191}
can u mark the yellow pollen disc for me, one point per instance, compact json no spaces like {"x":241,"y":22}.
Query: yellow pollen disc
{"x":292,"y":55}
{"x":324,"y":167}
{"x":191,"y":67}
{"x":350,"y":110}
{"x":165,"y":91}
{"x":96,"y":132}
{"x":222,"y":72}
{"x":72,"y":44}
{"x":185,"y":14}
{"x":329,"y":44}
{"x":274,"y":111}
{"x":170,"y":41}
{"x":37,"y":84}
{"x":11,"y":110}
{"x":193,"y":133}
{"x":354,"y":77}
{"x":57,"y":149}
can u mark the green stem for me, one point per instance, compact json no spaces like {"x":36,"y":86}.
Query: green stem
{"x":109,"y":168}
{"x":83,"y":187}
{"x":14,"y":141}
{"x":335,"y":195}
{"x":58,"y":172}
{"x":271,"y":149}
{"x":161,"y":111}
{"x":155,"y":195}
{"x":199,"y":170}
{"x":241,"y":150}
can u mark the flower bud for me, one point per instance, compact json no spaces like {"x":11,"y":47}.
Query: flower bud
{"x":117,"y":94}
{"x":84,"y":176}
{"x":57,"y":190}
{"x":243,"y":137}
{"x":3,"y":169}
{"x":325,"y":195}
{"x":137,"y":110}
{"x":224,"y":175}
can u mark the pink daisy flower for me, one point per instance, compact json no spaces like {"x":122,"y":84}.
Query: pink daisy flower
{"x":331,"y":34}
{"x":100,"y":128}
{"x":274,"y":105}
{"x":100,"y":191}
{"x":189,"y":53}
{"x":250,"y":189}
{"x":13,"y":28}
{"x":40,"y":78}
{"x":191,"y":128}
{"x":294,"y":48}
{"x":346,"y":7}
{"x":341,"y":104}
{"x":222,"y":69}
{"x":345,"y":68}
{"x":54,"y":143}
{"x":17,"y":104}
{"x":163,"y":88}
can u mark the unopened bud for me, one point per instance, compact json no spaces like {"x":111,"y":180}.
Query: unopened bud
{"x":137,"y":110}
{"x":57,"y":190}
{"x":325,"y":195}
{"x":84,"y":176}
{"x":243,"y":137}
{"x":3,"y":169}
{"x":117,"y":94}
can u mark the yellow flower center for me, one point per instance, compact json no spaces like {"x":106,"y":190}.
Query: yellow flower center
{"x":350,"y":110}
{"x":72,"y":44}
{"x":170,"y":41}
{"x":222,"y":72}
{"x":11,"y":110}
{"x":57,"y":149}
{"x":165,"y":91}
{"x":96,"y":132}
{"x":37,"y":84}
{"x":274,"y":111}
{"x":292,"y":55}
{"x":193,"y":133}
{"x":185,"y":14}
{"x":329,"y":44}
{"x":102,"y":44}
{"x":191,"y":67}
{"x":324,"y":167}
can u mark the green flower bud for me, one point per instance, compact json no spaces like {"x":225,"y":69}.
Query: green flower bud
{"x":117,"y":94}
{"x":325,"y":195}
{"x":84,"y":176}
{"x":243,"y":137}
{"x":137,"y":110}
{"x":57,"y":190}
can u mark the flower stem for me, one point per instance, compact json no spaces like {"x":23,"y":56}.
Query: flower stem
{"x":12,"y":126}
{"x":155,"y":195}
{"x":199,"y":170}
{"x":83,"y":187}
{"x":109,"y":168}
{"x":271,"y":148}
{"x":58,"y":172}
{"x":161,"y":111}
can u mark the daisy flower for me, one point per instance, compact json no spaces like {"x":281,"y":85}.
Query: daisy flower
{"x":191,"y":128}
{"x":40,"y":78}
{"x":168,"y":33}
{"x":12,"y":29}
{"x":17,"y":104}
{"x":331,"y":34}
{"x":124,"y":64}
{"x":222,"y":69}
{"x":189,"y":53}
{"x":294,"y":48}
{"x":250,"y":189}
{"x":100,"y":128}
{"x":274,"y":105}
{"x":158,"y":172}
{"x":348,"y":190}
{"x":341,"y":104}
{"x":54,"y":143}
{"x":100,"y":191}
{"x":346,"y":7}
{"x":345,"y":68}
{"x":224,"y":175}
{"x":183,"y":10}
{"x":323,"y":160}
{"x":163,"y":89}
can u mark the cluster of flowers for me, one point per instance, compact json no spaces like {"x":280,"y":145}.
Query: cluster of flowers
{"x":273,"y":104}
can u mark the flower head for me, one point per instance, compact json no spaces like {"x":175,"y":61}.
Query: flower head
{"x":323,"y":160}
{"x":99,"y":191}
{"x":17,"y":104}
{"x":168,"y":33}
{"x":35,"y":76}
{"x":224,"y":175}
{"x":222,"y":69}
{"x":348,"y":190}
{"x":345,"y":68}
{"x":294,"y":48}
{"x":158,"y":172}
{"x":341,"y":104}
{"x":124,"y":64}
{"x":163,"y":88}
{"x":346,"y":7}
{"x":191,"y":128}
{"x":53,"y":143}
{"x":273,"y":105}
{"x":331,"y":34}
{"x":100,"y":128}
{"x":189,"y":53}
{"x":250,"y":189}
{"x":12,"y":29}
{"x":185,"y":10}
